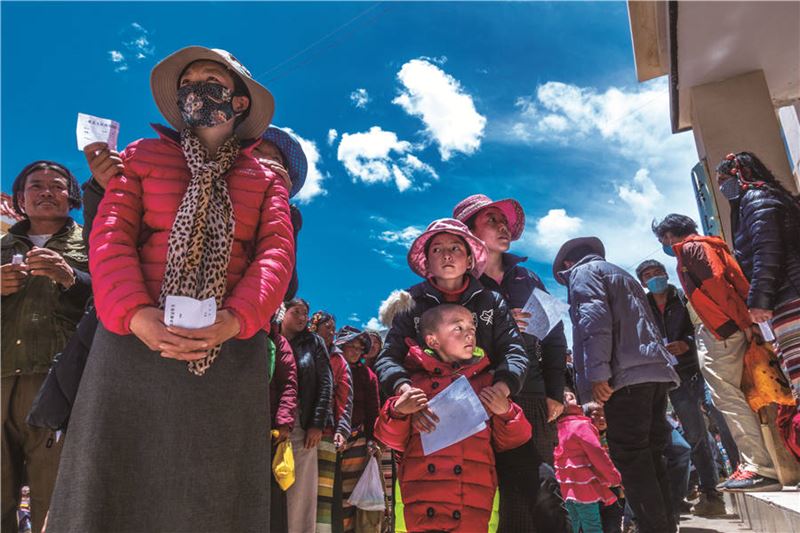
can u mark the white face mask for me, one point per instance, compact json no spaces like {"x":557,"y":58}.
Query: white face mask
{"x":730,"y":188}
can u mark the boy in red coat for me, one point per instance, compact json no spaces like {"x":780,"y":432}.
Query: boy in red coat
{"x":451,"y":489}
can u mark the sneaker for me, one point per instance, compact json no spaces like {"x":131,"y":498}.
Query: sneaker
{"x":684,"y":507}
{"x":748,"y":481}
{"x":710,"y":504}
{"x":736,"y":473}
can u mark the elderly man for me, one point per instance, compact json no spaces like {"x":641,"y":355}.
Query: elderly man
{"x":621,"y":362}
{"x":45,"y":286}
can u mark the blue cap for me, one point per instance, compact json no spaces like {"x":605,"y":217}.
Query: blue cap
{"x":296,"y":162}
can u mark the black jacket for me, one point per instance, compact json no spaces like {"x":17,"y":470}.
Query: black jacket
{"x":497,"y":334}
{"x":675,"y":325}
{"x":546,"y":373}
{"x":766,"y":242}
{"x":314,"y":379}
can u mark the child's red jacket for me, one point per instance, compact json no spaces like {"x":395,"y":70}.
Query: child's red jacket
{"x":452,"y":489}
{"x":583,"y":468}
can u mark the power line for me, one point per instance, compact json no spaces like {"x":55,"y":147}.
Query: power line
{"x":317,"y":42}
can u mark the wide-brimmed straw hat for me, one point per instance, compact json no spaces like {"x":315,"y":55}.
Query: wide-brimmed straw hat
{"x":592,"y":242}
{"x":295,"y":158}
{"x":416,"y":255}
{"x":164,"y":84}
{"x":511,"y":208}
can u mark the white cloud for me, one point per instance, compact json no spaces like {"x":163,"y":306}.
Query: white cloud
{"x":624,"y":126}
{"x":360,"y":98}
{"x":354,"y":317}
{"x":374,"y":324}
{"x":313,"y":184}
{"x":332,"y":136}
{"x":553,"y":229}
{"x":448,"y":112}
{"x":403,"y":237}
{"x":136,"y":44}
{"x":379,"y":156}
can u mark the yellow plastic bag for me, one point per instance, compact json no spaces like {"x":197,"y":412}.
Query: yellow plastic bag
{"x":283,"y":465}
{"x":763,"y":382}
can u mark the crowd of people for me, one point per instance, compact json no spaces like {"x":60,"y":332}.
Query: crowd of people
{"x":115,"y":419}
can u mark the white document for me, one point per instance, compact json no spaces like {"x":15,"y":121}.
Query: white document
{"x":461,"y":415}
{"x":92,"y":129}
{"x":546,"y":312}
{"x":766,"y":331}
{"x":189,"y":313}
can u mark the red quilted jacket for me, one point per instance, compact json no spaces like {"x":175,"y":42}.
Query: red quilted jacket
{"x":452,"y":489}
{"x":131,"y":230}
{"x":283,"y":387}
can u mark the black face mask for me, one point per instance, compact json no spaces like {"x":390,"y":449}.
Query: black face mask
{"x":730,"y":188}
{"x":205,"y":104}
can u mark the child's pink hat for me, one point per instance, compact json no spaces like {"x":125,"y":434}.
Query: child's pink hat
{"x":416,"y":255}
{"x":511,"y":208}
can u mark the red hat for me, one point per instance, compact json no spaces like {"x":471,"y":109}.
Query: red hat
{"x":416,"y":255}
{"x":471,"y":205}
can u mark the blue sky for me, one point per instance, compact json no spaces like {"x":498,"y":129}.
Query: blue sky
{"x":405,"y":109}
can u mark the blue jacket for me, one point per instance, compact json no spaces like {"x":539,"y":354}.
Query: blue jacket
{"x":766,"y":242}
{"x":614,"y":335}
{"x":546,"y":373}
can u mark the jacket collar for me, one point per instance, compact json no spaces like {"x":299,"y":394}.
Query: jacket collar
{"x":566,"y":274}
{"x":419,"y":359}
{"x":511,"y":260}
{"x":427,"y":290}
{"x":711,"y":240}
{"x":21,"y":228}
{"x":170,"y":135}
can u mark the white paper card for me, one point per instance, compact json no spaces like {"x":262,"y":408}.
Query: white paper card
{"x":93,"y":129}
{"x":189,"y":313}
{"x":461,"y":414}
{"x":546,"y":312}
{"x":766,"y":331}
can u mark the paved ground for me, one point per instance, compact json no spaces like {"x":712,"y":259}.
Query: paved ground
{"x":729,"y":524}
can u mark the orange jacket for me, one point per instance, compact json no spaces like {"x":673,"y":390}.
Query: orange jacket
{"x":714,"y":284}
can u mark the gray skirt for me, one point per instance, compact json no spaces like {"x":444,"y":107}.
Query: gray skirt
{"x":154,"y":448}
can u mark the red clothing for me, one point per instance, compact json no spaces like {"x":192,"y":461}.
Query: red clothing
{"x":366,"y":398}
{"x":714,"y":284}
{"x":130,"y":235}
{"x":283,"y":387}
{"x":583,"y":468}
{"x":452,"y":489}
{"x":342,"y":395}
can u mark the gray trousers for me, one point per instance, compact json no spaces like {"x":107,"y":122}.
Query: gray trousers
{"x":301,"y":498}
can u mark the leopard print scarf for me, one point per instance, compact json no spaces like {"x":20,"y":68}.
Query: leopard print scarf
{"x":202,"y":234}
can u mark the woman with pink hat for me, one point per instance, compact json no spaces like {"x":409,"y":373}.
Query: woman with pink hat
{"x":498,"y":224}
{"x":170,"y":430}
{"x":450,"y":259}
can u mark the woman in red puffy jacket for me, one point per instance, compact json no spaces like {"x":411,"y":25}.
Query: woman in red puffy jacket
{"x":451,"y":489}
{"x":171,"y":426}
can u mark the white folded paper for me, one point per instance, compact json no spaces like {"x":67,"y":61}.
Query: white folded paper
{"x":93,"y":129}
{"x":766,"y":331}
{"x":546,"y":312}
{"x":461,"y":415}
{"x":189,"y":313}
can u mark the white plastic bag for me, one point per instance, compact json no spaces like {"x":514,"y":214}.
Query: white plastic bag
{"x":368,"y":492}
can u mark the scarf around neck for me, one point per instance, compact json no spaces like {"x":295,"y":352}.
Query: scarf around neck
{"x":199,"y":246}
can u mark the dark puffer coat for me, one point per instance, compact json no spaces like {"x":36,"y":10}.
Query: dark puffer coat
{"x":314,"y":379}
{"x":767,"y":245}
{"x":497,"y":334}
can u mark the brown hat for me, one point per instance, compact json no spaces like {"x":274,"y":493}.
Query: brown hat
{"x":164,"y":84}
{"x":593,"y":243}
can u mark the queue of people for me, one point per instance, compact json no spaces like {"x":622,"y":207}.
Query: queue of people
{"x":176,"y":429}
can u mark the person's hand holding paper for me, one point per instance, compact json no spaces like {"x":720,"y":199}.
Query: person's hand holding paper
{"x":461,"y":414}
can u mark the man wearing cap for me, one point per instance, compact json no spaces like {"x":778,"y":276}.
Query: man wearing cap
{"x":668,"y":304}
{"x":620,"y":361}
